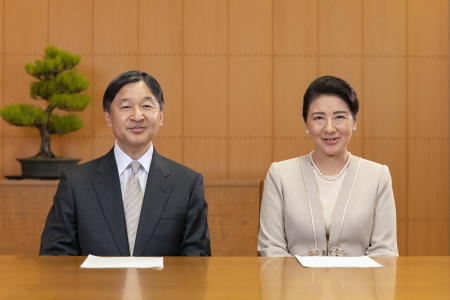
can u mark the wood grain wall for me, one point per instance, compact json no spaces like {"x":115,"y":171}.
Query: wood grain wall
{"x":234,"y":73}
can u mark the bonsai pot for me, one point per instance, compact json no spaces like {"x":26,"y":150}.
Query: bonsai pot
{"x":45,"y":168}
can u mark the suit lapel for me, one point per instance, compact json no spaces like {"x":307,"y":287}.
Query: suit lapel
{"x":312,"y":194}
{"x":109,"y":195}
{"x":343,"y":200}
{"x":156,"y":194}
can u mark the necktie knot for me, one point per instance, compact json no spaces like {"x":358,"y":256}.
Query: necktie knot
{"x":135,"y":165}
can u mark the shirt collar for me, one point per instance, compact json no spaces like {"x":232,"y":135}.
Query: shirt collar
{"x":123,"y":160}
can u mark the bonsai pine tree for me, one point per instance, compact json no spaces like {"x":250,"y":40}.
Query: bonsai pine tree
{"x":59,"y":86}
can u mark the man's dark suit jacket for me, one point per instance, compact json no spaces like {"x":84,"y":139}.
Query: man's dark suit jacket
{"x":87,"y":216}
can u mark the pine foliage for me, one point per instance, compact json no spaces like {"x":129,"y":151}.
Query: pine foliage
{"x":64,"y":124}
{"x":23,"y":115}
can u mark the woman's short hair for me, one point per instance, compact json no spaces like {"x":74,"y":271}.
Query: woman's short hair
{"x":330,"y":85}
{"x":129,"y":77}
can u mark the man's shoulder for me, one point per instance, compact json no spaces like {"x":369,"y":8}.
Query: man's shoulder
{"x":85,"y":169}
{"x":174,"y":167}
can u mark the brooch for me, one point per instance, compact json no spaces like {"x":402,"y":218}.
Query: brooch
{"x":333,"y":251}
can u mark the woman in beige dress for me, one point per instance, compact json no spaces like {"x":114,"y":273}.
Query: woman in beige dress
{"x":328,"y":202}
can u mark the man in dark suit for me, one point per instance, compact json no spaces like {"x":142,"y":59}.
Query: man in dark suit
{"x":132,"y":201}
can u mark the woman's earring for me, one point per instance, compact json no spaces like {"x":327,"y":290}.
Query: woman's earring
{"x":307,"y":131}
{"x":354,"y":128}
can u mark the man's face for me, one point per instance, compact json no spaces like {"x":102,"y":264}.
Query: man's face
{"x":135,"y":118}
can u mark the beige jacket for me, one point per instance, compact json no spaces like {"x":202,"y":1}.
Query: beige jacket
{"x":291,"y":219}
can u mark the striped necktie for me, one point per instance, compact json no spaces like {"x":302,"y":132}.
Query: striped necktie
{"x":132,"y":203}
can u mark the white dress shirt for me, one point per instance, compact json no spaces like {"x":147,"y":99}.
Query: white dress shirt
{"x":123,"y":161}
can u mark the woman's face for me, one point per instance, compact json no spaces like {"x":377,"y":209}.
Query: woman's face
{"x":330,"y":124}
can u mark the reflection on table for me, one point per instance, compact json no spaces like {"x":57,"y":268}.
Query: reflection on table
{"x":281,"y":279}
{"x":32,"y":277}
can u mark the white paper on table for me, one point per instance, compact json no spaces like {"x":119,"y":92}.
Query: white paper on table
{"x":93,"y":261}
{"x":337,"y":262}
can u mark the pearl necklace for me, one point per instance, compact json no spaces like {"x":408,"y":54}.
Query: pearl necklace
{"x":330,"y":177}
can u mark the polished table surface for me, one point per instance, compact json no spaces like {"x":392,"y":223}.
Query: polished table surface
{"x":32,"y":277}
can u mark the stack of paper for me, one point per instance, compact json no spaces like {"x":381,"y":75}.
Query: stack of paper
{"x":337,"y":262}
{"x":93,"y":261}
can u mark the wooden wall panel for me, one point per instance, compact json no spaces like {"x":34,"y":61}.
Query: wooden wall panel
{"x":250,"y":26}
{"x":206,"y":88}
{"x":295,"y":27}
{"x":206,"y":121}
{"x":234,"y":74}
{"x":160,"y":27}
{"x":384,"y":128}
{"x":69,"y":26}
{"x":384,"y":28}
{"x":168,"y":70}
{"x":294,"y":67}
{"x":24,"y":209}
{"x":161,"y":49}
{"x":428,"y":127}
{"x":206,"y":27}
{"x":2,"y":85}
{"x":428,"y":27}
{"x":17,"y":82}
{"x":250,"y":117}
{"x":115,"y":47}
{"x":73,"y":146}
{"x":250,"y":93}
{"x":26,"y":26}
{"x":233,"y":217}
{"x":340,"y":27}
{"x":384,"y":98}
{"x":115,"y":32}
{"x":427,"y":209}
{"x":340,"y":47}
{"x":292,"y":75}
{"x":428,"y":80}
{"x":428,"y":200}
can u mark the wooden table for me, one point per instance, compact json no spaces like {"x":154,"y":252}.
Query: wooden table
{"x":27,"y":277}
